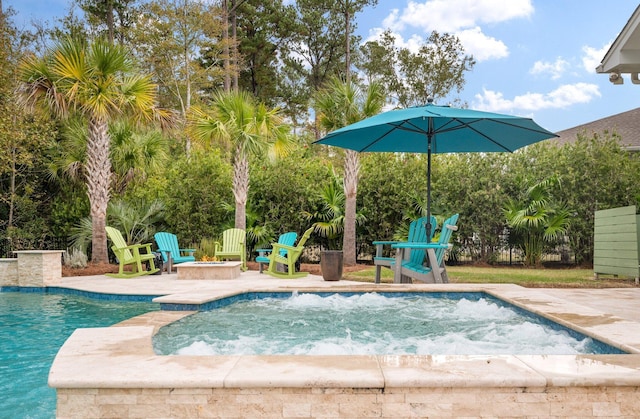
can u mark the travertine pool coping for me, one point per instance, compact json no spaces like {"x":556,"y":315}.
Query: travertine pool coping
{"x":121,"y":356}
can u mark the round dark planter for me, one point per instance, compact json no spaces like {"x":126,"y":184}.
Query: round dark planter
{"x":331,"y":264}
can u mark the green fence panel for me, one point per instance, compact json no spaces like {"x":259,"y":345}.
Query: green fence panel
{"x":616,"y":239}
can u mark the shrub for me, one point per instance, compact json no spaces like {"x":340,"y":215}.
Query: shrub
{"x":75,"y":258}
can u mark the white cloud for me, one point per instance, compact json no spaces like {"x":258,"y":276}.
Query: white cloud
{"x":460,"y":17}
{"x":593,"y":57}
{"x":481,"y":46}
{"x":555,"y":69}
{"x":392,"y":22}
{"x":413,"y":44}
{"x":562,"y":97}
{"x":455,"y":15}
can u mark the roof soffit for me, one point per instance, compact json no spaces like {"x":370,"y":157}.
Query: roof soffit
{"x":624,"y":54}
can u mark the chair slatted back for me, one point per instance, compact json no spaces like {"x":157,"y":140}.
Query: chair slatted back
{"x":167,"y":241}
{"x":233,"y":240}
{"x":288,"y":239}
{"x":418,"y":234}
{"x":448,"y":227}
{"x":119,"y":243}
{"x":305,"y":237}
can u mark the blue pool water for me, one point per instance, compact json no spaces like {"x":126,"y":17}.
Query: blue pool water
{"x":370,"y":323}
{"x":33,"y":327}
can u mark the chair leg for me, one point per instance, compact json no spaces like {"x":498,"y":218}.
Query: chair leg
{"x":291,"y":267}
{"x":378,"y":273}
{"x":272,"y":265}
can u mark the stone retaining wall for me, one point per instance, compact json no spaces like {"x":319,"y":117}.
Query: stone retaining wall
{"x":8,"y":272}
{"x":548,"y":402}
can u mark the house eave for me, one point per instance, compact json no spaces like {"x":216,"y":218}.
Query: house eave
{"x":623,"y":57}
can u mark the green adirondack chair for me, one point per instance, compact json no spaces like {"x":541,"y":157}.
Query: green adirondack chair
{"x":417,"y":234}
{"x":434,"y":271}
{"x":171,"y":252}
{"x":288,"y":239}
{"x":131,"y":255}
{"x":289,"y":259}
{"x":233,"y":246}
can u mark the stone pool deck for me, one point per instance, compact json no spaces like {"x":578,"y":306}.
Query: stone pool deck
{"x":113,"y":372}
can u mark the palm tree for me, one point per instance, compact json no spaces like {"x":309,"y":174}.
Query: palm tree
{"x":249,"y":128}
{"x":96,"y":82}
{"x":536,"y":219}
{"x":342,"y":103}
{"x":133,"y":154}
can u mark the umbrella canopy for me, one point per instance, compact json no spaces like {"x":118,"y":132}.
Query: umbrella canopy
{"x":437,"y":129}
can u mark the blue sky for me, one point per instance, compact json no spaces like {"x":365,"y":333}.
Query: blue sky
{"x":534,"y":58}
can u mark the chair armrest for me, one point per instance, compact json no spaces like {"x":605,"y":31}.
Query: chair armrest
{"x":377,"y":242}
{"x":380,"y":244}
{"x":167,"y":251}
{"x":189,"y":251}
{"x":263,"y":252}
{"x":137,"y":246}
{"x":419,"y":246}
{"x":147,"y":246}
{"x":278,"y":246}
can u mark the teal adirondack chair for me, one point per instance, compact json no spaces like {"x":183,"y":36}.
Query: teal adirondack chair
{"x":131,"y":255}
{"x":289,"y":259}
{"x":233,"y":246}
{"x":417,"y":234}
{"x":288,"y":239}
{"x":171,"y":252}
{"x":434,"y":271}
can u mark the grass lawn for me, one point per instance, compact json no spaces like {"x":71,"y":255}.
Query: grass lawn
{"x":526,"y":277}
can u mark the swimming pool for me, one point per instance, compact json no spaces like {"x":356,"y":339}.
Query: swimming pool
{"x":33,"y":327}
{"x":370,"y":323}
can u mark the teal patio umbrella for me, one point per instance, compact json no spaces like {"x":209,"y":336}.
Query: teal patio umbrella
{"x":437,"y":129}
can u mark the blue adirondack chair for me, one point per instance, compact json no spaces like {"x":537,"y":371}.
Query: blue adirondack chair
{"x":417,"y":234}
{"x":171,"y":252}
{"x":434,"y":271}
{"x":288,"y":239}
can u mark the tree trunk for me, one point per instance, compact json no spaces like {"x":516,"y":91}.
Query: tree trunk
{"x":241,"y":188}
{"x":12,"y":192}
{"x":234,"y":36}
{"x":98,"y":178}
{"x":347,"y":19}
{"x":187,"y":104}
{"x":109,"y":17}
{"x":227,"y":54}
{"x":351,"y":169}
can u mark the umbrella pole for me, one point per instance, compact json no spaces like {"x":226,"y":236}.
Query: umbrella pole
{"x":429,"y":136}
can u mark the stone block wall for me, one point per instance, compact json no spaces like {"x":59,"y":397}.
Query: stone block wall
{"x":547,"y":402}
{"x":8,"y":272}
{"x":39,"y":268}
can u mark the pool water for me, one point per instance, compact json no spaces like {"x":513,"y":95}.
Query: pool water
{"x":370,"y":323}
{"x":33,"y":327}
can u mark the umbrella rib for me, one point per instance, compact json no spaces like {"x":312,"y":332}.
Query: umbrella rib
{"x":469,"y":126}
{"x":393,"y":126}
